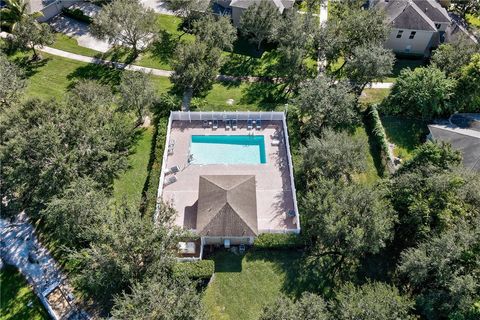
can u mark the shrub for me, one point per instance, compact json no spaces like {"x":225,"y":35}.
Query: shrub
{"x":202,"y":269}
{"x":377,"y":132}
{"x":76,"y":14}
{"x":278,"y":241}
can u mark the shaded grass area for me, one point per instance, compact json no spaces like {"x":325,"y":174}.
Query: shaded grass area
{"x":373,"y":96}
{"x":129,"y":185}
{"x":17,"y":299}
{"x":244,"y":284}
{"x":405,"y":133}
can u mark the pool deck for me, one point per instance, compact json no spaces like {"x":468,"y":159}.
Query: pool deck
{"x":274,"y":194}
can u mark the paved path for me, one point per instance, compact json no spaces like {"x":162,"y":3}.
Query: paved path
{"x":20,"y":247}
{"x":158,"y":72}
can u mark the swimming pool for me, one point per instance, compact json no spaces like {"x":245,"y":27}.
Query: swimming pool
{"x":220,"y":149}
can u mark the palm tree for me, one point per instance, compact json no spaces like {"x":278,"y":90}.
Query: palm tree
{"x":14,"y":12}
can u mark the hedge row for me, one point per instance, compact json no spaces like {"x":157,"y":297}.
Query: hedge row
{"x":278,"y":241}
{"x":77,"y":14}
{"x":377,"y":132}
{"x":202,"y":269}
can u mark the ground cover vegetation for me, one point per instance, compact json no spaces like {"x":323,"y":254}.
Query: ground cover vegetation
{"x":369,"y":249}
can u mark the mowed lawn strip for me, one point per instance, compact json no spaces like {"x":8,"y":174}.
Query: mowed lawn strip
{"x":129,"y":185}
{"x":244,"y":284}
{"x":15,"y":297}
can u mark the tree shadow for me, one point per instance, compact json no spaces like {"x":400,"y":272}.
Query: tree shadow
{"x":240,"y":65}
{"x":29,"y":66}
{"x":266,"y":94}
{"x":104,"y":74}
{"x":163,"y":48}
{"x":118,"y":54}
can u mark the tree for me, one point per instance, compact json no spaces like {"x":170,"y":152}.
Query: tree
{"x":367,"y":63}
{"x":344,"y":222}
{"x":89,"y":92}
{"x":137,"y":92}
{"x":353,"y":27}
{"x":430,"y":194}
{"x":375,"y":301}
{"x":424,"y":92}
{"x":467,"y":92}
{"x":216,"y":32}
{"x":443,"y":272}
{"x":76,"y":214}
{"x":322,"y":102}
{"x":334,"y":156}
{"x":125,"y":22}
{"x":12,"y":83}
{"x":160,"y":297}
{"x":451,"y":57}
{"x":258,"y":21}
{"x":295,"y":37}
{"x":46,"y":145}
{"x":310,"y":306}
{"x":28,"y":34}
{"x":128,"y":249}
{"x":195,"y":68}
{"x":15,"y":11}
{"x":465,"y":7}
{"x":189,"y":10}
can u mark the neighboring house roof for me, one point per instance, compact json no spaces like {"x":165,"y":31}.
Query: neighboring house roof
{"x":463,"y":133}
{"x":227,"y":206}
{"x":280,"y":4}
{"x":433,"y":10}
{"x":407,"y":14}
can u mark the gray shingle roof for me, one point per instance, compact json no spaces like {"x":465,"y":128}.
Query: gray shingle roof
{"x":247,"y":3}
{"x":227,"y":206}
{"x":433,"y":10}
{"x":467,"y":141}
{"x":405,"y":14}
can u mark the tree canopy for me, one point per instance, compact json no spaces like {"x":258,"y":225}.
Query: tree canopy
{"x":309,"y":306}
{"x":216,"y":32}
{"x":467,"y":91}
{"x":12,"y":83}
{"x":125,"y":22}
{"x":28,"y":34}
{"x":322,"y":102}
{"x":451,"y":57}
{"x":258,"y":22}
{"x":138,"y":93}
{"x":424,"y":92}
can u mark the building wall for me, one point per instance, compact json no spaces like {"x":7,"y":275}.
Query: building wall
{"x":419,"y":45}
{"x":234,"y":241}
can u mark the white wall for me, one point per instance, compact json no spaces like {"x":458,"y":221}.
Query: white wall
{"x":418,"y":45}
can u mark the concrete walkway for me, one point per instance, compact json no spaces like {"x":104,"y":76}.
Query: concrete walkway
{"x":158,"y":72}
{"x":20,"y":247}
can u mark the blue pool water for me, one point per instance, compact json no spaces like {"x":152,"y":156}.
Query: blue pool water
{"x":227,"y":150}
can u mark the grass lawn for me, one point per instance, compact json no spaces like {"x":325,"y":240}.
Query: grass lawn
{"x":129,"y":185}
{"x":405,"y":133}
{"x":243,"y":285}
{"x":15,"y":297}
{"x":370,"y":96}
{"x":473,"y":20}
{"x":371,"y":173}
{"x":69,"y":44}
{"x":403,"y":63}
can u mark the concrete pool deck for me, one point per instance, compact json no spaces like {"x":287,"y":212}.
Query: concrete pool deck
{"x":273,"y":185}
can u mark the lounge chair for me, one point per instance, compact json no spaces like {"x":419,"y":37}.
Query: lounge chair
{"x":170,"y":180}
{"x":258,"y":124}
{"x":171,"y":146}
{"x":275,"y":142}
{"x":215,"y":124}
{"x":173,"y":169}
{"x":249,"y":124}
{"x":228,"y":124}
{"x":234,"y":124}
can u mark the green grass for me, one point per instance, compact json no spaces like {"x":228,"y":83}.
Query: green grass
{"x":370,"y":96}
{"x":473,"y":20}
{"x":405,"y":133}
{"x":371,"y":174}
{"x":15,"y":297}
{"x":243,"y":285}
{"x":69,"y":44}
{"x":401,"y":64}
{"x":129,"y":185}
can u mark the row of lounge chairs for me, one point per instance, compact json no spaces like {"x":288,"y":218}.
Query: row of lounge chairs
{"x":232,"y":124}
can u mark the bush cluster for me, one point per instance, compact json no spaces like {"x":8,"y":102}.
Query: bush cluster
{"x":375,"y":126}
{"x":202,"y":269}
{"x":76,"y":14}
{"x":278,"y":241}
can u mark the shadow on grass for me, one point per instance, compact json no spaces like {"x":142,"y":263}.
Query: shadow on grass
{"x":28,"y":66}
{"x":405,"y":132}
{"x":267,"y":95}
{"x":164,"y":47}
{"x":102,"y":73}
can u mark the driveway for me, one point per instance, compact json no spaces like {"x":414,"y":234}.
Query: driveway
{"x":157,"y":6}
{"x":79,"y":31}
